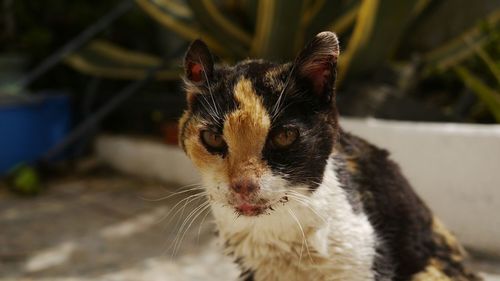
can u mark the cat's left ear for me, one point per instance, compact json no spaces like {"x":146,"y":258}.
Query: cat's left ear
{"x":198,"y":63}
{"x":317,"y":64}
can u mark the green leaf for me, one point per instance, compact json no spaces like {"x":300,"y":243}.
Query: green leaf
{"x":345,"y":21}
{"x":376,"y":35}
{"x":25,"y":180}
{"x":207,"y":13}
{"x":246,"y":10}
{"x":277,"y":25}
{"x":488,"y":96}
{"x":169,"y":16}
{"x":104,"y":59}
{"x":319,"y":15}
{"x":490,"y":63}
{"x":456,"y":51}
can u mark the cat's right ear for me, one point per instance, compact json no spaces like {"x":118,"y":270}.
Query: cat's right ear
{"x":198,"y":63}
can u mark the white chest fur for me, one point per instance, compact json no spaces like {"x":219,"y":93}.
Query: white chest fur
{"x":324,"y":240}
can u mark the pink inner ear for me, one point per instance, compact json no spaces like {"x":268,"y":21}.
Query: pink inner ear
{"x":196,"y":72}
{"x":318,"y":73}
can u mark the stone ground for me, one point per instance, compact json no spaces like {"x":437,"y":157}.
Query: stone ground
{"x":108,"y":227}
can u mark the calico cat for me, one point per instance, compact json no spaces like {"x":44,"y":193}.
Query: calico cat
{"x":294,"y":196}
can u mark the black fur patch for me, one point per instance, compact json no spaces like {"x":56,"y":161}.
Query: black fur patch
{"x":400,"y":218}
{"x":247,"y":275}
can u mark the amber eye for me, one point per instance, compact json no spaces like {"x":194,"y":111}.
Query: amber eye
{"x":213,"y":140}
{"x":284,"y":137}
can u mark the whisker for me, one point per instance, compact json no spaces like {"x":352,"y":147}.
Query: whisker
{"x":209,"y":87}
{"x":187,"y":200}
{"x":201,"y":224}
{"x":191,"y":218}
{"x":304,"y":240}
{"x":179,"y":230}
{"x":210,"y":110}
{"x":175,"y":209}
{"x":171,"y":195}
{"x":278,"y":101}
{"x":206,"y":207}
{"x":181,"y":215}
{"x":203,"y":205}
{"x":307,"y":205}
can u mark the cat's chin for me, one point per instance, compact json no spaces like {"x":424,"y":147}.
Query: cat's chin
{"x":251,"y":210}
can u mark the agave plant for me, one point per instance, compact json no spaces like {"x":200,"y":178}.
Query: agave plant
{"x":270,"y":29}
{"x":454,"y":56}
{"x":371,"y":32}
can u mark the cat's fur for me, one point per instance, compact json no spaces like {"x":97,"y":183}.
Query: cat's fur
{"x":328,"y":207}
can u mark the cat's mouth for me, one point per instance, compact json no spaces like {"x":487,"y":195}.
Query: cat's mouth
{"x":248,"y":209}
{"x":246,"y":206}
{"x":255,"y":209}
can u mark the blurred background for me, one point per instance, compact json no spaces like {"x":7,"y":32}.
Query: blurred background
{"x":93,"y":186}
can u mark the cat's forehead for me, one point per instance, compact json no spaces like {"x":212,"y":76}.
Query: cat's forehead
{"x":264,"y":75}
{"x":264,"y":80}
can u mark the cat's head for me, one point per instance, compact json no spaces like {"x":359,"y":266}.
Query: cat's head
{"x":258,"y":130}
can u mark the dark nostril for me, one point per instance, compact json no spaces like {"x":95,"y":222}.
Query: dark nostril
{"x":244,"y":186}
{"x":237,"y":187}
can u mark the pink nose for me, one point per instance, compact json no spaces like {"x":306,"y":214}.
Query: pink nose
{"x":244,"y":187}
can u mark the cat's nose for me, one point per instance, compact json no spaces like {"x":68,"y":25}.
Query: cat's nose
{"x":244,"y":186}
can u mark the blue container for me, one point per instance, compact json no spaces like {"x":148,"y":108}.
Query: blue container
{"x":30,"y":126}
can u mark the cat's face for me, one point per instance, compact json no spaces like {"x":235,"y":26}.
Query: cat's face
{"x":257,"y":130}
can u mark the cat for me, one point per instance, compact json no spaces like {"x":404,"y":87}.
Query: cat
{"x":294,"y":196}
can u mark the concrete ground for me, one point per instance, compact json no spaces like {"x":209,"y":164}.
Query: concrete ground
{"x":106,"y":226}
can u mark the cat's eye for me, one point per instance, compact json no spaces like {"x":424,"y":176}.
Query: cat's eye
{"x":213,"y":140}
{"x":284,"y":137}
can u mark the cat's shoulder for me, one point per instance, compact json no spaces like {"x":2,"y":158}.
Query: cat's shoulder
{"x":414,"y":239}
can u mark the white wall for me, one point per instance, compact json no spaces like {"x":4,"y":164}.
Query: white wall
{"x":143,"y":157}
{"x":455,"y":168}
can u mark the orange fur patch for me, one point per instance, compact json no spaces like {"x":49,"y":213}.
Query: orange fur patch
{"x":194,"y":148}
{"x":182,"y":121}
{"x":444,"y":236}
{"x":433,"y":272}
{"x":202,"y":159}
{"x":245,"y":132}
